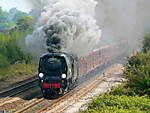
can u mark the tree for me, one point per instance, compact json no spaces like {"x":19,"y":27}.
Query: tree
{"x":146,"y":45}
{"x":18,"y":15}
{"x":5,"y":21}
{"x":25,"y":23}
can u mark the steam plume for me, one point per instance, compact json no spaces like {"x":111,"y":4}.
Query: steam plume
{"x":124,"y":21}
{"x":64,"y":25}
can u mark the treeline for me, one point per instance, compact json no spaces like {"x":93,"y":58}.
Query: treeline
{"x":11,"y":55}
{"x":14,"y":27}
{"x":10,"y":51}
{"x":9,"y":19}
{"x":133,"y":96}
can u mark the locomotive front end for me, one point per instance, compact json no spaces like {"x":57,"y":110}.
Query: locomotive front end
{"x":53,"y":74}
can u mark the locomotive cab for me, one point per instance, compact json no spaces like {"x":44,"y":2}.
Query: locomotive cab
{"x":57,"y":73}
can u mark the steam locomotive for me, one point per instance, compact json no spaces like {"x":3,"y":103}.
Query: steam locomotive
{"x":59,"y":72}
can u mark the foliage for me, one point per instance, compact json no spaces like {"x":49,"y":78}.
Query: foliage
{"x":107,"y":103}
{"x":121,"y":99}
{"x":138,"y":59}
{"x":17,"y":70}
{"x":122,"y":89}
{"x":4,"y":63}
{"x":14,"y":62}
{"x":19,"y":14}
{"x":137,"y":72}
{"x":146,"y":42}
{"x":9,"y":47}
{"x":25,"y":23}
{"x":5,"y":21}
{"x":10,"y":52}
{"x":8,"y":19}
{"x":11,"y":55}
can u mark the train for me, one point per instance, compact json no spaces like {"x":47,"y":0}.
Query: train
{"x":59,"y":72}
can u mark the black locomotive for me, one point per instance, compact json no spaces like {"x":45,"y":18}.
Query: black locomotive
{"x":57,"y":73}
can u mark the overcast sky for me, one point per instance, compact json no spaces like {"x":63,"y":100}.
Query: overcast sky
{"x":19,"y":4}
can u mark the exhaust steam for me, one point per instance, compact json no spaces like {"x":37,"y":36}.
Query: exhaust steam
{"x":64,"y":25}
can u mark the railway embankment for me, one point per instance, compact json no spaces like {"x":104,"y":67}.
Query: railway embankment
{"x":15,"y":65}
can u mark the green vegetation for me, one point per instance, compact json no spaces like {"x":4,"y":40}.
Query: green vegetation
{"x":11,"y":54}
{"x":146,"y":46}
{"x":14,"y":26}
{"x":24,"y":23}
{"x":18,"y":70}
{"x":107,"y":103}
{"x":5,"y":22}
{"x":134,"y":94}
{"x":121,"y":99}
{"x":9,"y":19}
{"x":9,"y":47}
{"x":138,"y":73}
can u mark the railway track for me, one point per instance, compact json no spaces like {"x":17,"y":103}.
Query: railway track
{"x":60,"y":104}
{"x":19,"y":88}
{"x":63,"y":103}
{"x":48,"y":105}
{"x":38,"y":105}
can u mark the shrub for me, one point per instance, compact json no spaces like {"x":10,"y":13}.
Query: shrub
{"x":137,"y":72}
{"x":146,"y":44}
{"x":138,"y":59}
{"x":9,"y":47}
{"x":122,"y":89}
{"x":107,"y":103}
{"x":10,"y":52}
{"x":4,"y":63}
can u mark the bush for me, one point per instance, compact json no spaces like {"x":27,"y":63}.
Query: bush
{"x":10,"y":53}
{"x":138,"y":59}
{"x":146,"y":44}
{"x":9,"y":47}
{"x":137,"y":72}
{"x":122,"y":89}
{"x":4,"y":64}
{"x":107,"y":103}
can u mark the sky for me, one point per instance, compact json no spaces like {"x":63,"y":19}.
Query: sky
{"x":19,"y":4}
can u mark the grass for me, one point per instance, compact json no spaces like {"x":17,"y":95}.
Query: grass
{"x":18,"y":70}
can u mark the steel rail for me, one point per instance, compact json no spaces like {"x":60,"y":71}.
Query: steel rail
{"x":19,"y":88}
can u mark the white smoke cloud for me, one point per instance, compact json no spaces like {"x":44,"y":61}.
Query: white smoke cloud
{"x":64,"y":25}
{"x":124,"y":21}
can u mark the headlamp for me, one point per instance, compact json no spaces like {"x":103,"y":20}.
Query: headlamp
{"x":63,"y":76}
{"x":41,"y":75}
